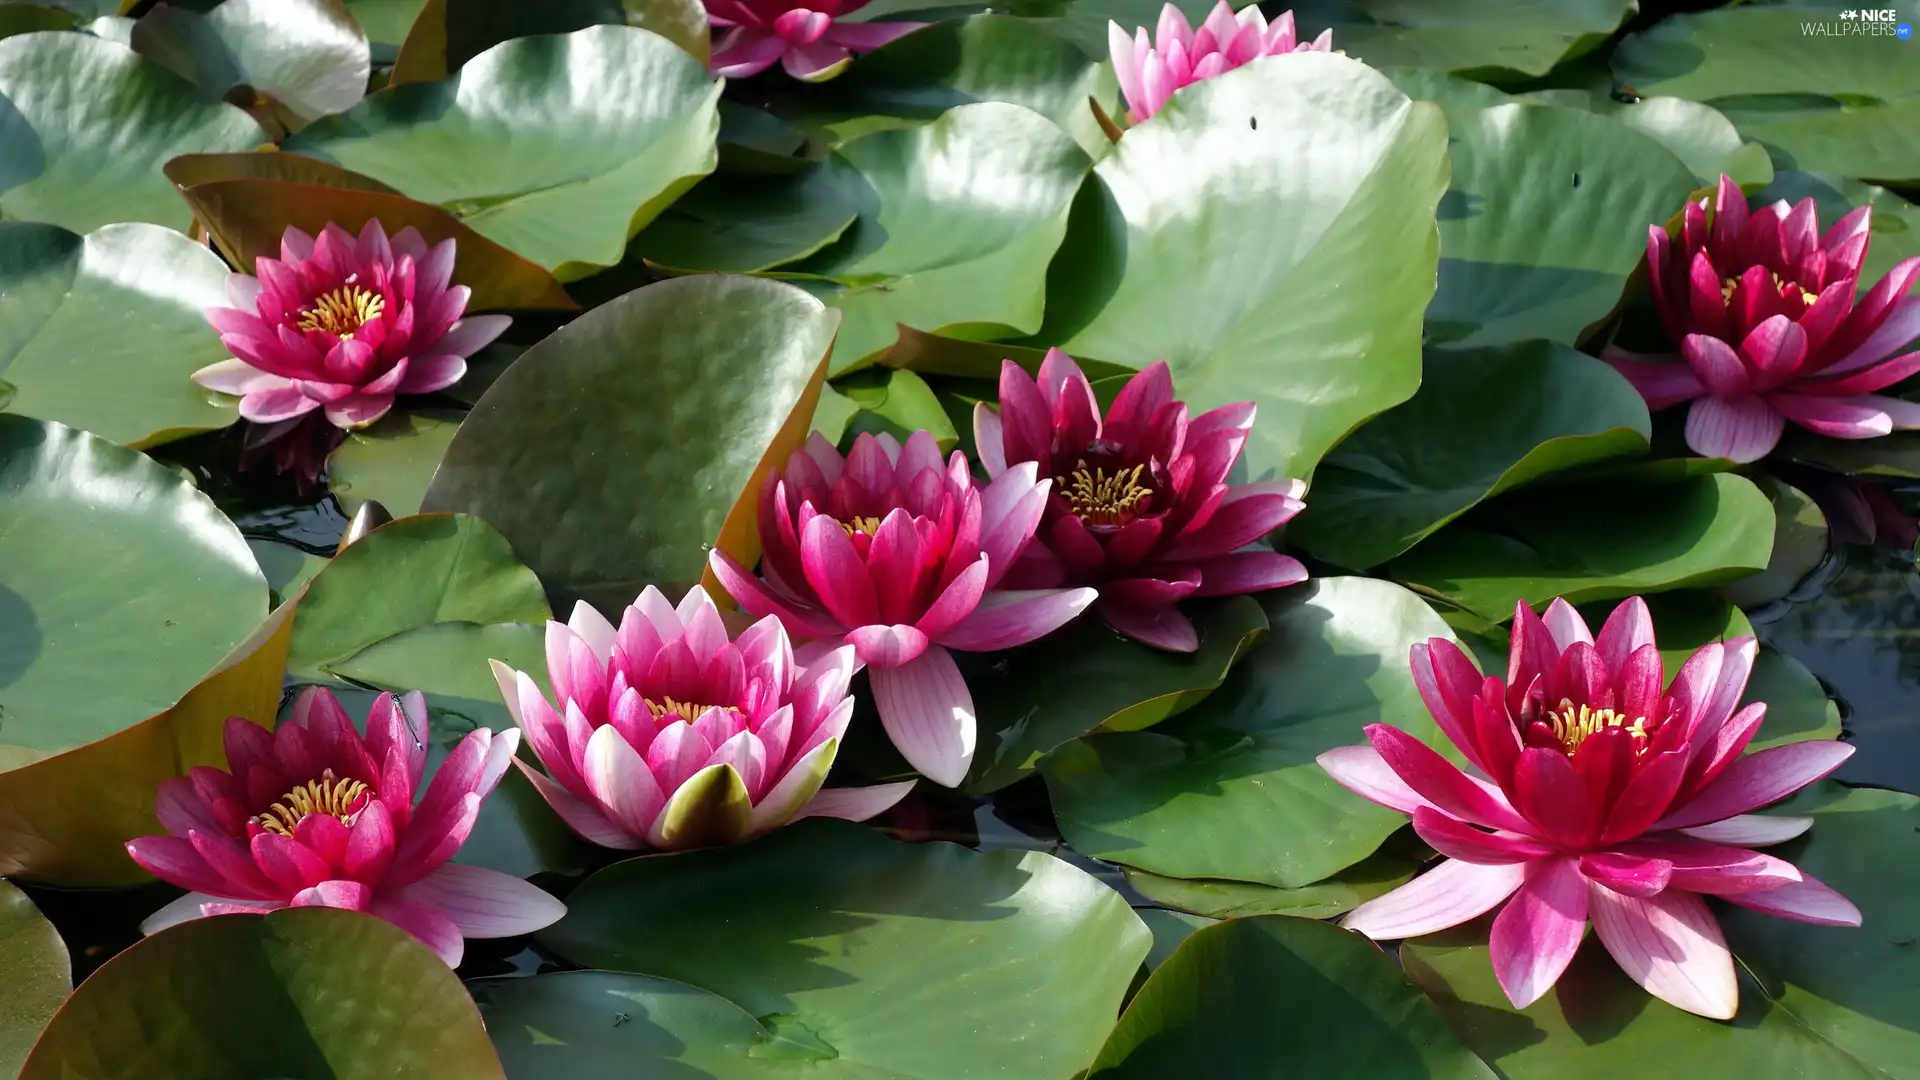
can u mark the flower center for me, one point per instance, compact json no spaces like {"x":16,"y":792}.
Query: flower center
{"x":343,"y":799}
{"x":343,"y":311}
{"x":1572,"y":724}
{"x":1101,"y":498}
{"x":685,"y":710}
{"x":867,"y":526}
{"x":1727,"y":286}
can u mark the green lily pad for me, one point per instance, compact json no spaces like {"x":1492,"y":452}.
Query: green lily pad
{"x":1821,"y":1001}
{"x":1798,"y":707}
{"x":446,"y":34}
{"x":85,"y":125}
{"x":1170,"y":929}
{"x":1594,"y":543}
{"x":267,"y":996}
{"x":897,"y":403}
{"x":385,"y":23}
{"x":1210,"y":1010}
{"x":641,"y":424}
{"x":1337,"y":895}
{"x":104,"y":331}
{"x":39,"y":975}
{"x":99,"y":547}
{"x":1536,"y":408}
{"x":309,"y":55}
{"x":1270,"y":235}
{"x":1837,"y":99}
{"x":1547,"y":216}
{"x":947,"y":64}
{"x":1086,"y":677}
{"x":873,"y":957}
{"x":416,"y":571}
{"x":1800,"y":545}
{"x":736,"y":224}
{"x":1230,"y":789}
{"x":958,"y":219}
{"x":567,"y":145}
{"x":286,"y":567}
{"x":1699,"y":135}
{"x":393,"y":461}
{"x":1528,"y":37}
{"x":18,"y":18}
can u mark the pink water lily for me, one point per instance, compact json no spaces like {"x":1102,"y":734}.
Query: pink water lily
{"x":1150,"y":71}
{"x":666,"y":734}
{"x":343,"y":325}
{"x":1592,"y":793}
{"x":898,"y":555}
{"x":1763,"y":308}
{"x":313,"y":815}
{"x":809,"y":41}
{"x":1140,"y":506}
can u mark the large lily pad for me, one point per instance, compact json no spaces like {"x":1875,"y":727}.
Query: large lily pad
{"x":1801,"y":542}
{"x":85,"y":125}
{"x":393,"y":461}
{"x":958,"y":220}
{"x":1546,"y":217}
{"x":1230,"y":789}
{"x":1225,"y":899}
{"x":446,"y":34}
{"x":1820,"y":1001}
{"x":891,"y":956}
{"x":1536,"y":408}
{"x":613,"y":453}
{"x":1525,"y":38}
{"x":1594,"y":543}
{"x":736,"y":224}
{"x":255,"y":996}
{"x":104,"y":331}
{"x":308,"y":55}
{"x":413,"y":572}
{"x":1210,"y":1009}
{"x":1270,"y":235}
{"x":1087,"y":677}
{"x":37,"y":973}
{"x":558,"y":147}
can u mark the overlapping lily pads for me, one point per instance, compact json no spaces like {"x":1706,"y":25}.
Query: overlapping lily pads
{"x":1270,"y":235}
{"x":858,"y":954}
{"x":562,"y":170}
{"x":1492,"y":41}
{"x":38,"y":975}
{"x":307,"y":55}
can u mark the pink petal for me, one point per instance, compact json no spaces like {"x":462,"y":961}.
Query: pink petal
{"x":1632,"y":875}
{"x":1751,"y":830}
{"x":1670,"y":945}
{"x":356,"y":411}
{"x":1857,"y":417}
{"x":836,"y":572}
{"x":986,"y":439}
{"x":1740,"y":429}
{"x":1807,"y":901}
{"x":928,"y":713}
{"x":276,"y":403}
{"x":581,"y":816}
{"x":1010,"y":511}
{"x":1447,"y":895}
{"x":625,"y":788}
{"x":237,"y":377}
{"x":1662,"y":384}
{"x":1758,"y":780}
{"x":1249,"y":512}
{"x":1536,"y":934}
{"x":815,"y":62}
{"x":1249,"y":571}
{"x":1006,"y":618}
{"x":1162,"y":628}
{"x":429,"y":926}
{"x":1361,"y":770}
{"x":857,"y":803}
{"x":485,"y":903}
{"x":338,"y":893}
{"x":1127,"y":71}
{"x":1716,"y":363}
{"x":758,"y":600}
{"x":1902,"y":325}
{"x":1442,"y":783}
{"x":866,"y":37}
{"x":887,"y":646}
{"x":1458,"y":840}
{"x":473,"y":333}
{"x":430,"y":373}
{"x":745,"y":51}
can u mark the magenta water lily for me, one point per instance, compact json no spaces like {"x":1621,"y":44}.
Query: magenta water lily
{"x":313,"y":814}
{"x":1140,"y":504}
{"x":1770,"y":329}
{"x":344,"y":325}
{"x":1150,"y":69}
{"x":898,"y":554}
{"x":665,"y":733}
{"x":1592,"y":793}
{"x":809,"y":40}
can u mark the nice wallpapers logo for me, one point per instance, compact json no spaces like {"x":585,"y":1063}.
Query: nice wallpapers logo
{"x":1864,"y":22}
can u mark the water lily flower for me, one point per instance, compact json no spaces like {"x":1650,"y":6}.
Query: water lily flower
{"x":809,"y":41}
{"x":1592,"y":793}
{"x":666,"y":734}
{"x":1763,"y":308}
{"x":343,"y":325}
{"x":313,"y":815}
{"x":894,"y":553}
{"x":1149,"y":73}
{"x":1140,"y":504}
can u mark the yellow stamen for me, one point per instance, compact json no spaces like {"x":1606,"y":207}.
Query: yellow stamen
{"x":1728,"y":285}
{"x":335,"y":798}
{"x":685,"y":710}
{"x":1101,"y":499}
{"x":869,"y":526}
{"x":343,"y":311}
{"x":1572,"y":724}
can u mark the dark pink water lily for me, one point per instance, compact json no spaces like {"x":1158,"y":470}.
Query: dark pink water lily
{"x":1151,"y":69}
{"x":314,"y":815}
{"x":809,"y":40}
{"x":1762,"y":306}
{"x":1593,"y":793}
{"x":667,"y":734}
{"x":1140,"y":505}
{"x":898,"y":554}
{"x":343,"y":325}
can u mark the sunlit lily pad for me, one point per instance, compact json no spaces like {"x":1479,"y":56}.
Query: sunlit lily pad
{"x":308,"y":55}
{"x":393,"y":461}
{"x":1526,"y":38}
{"x":38,"y":979}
